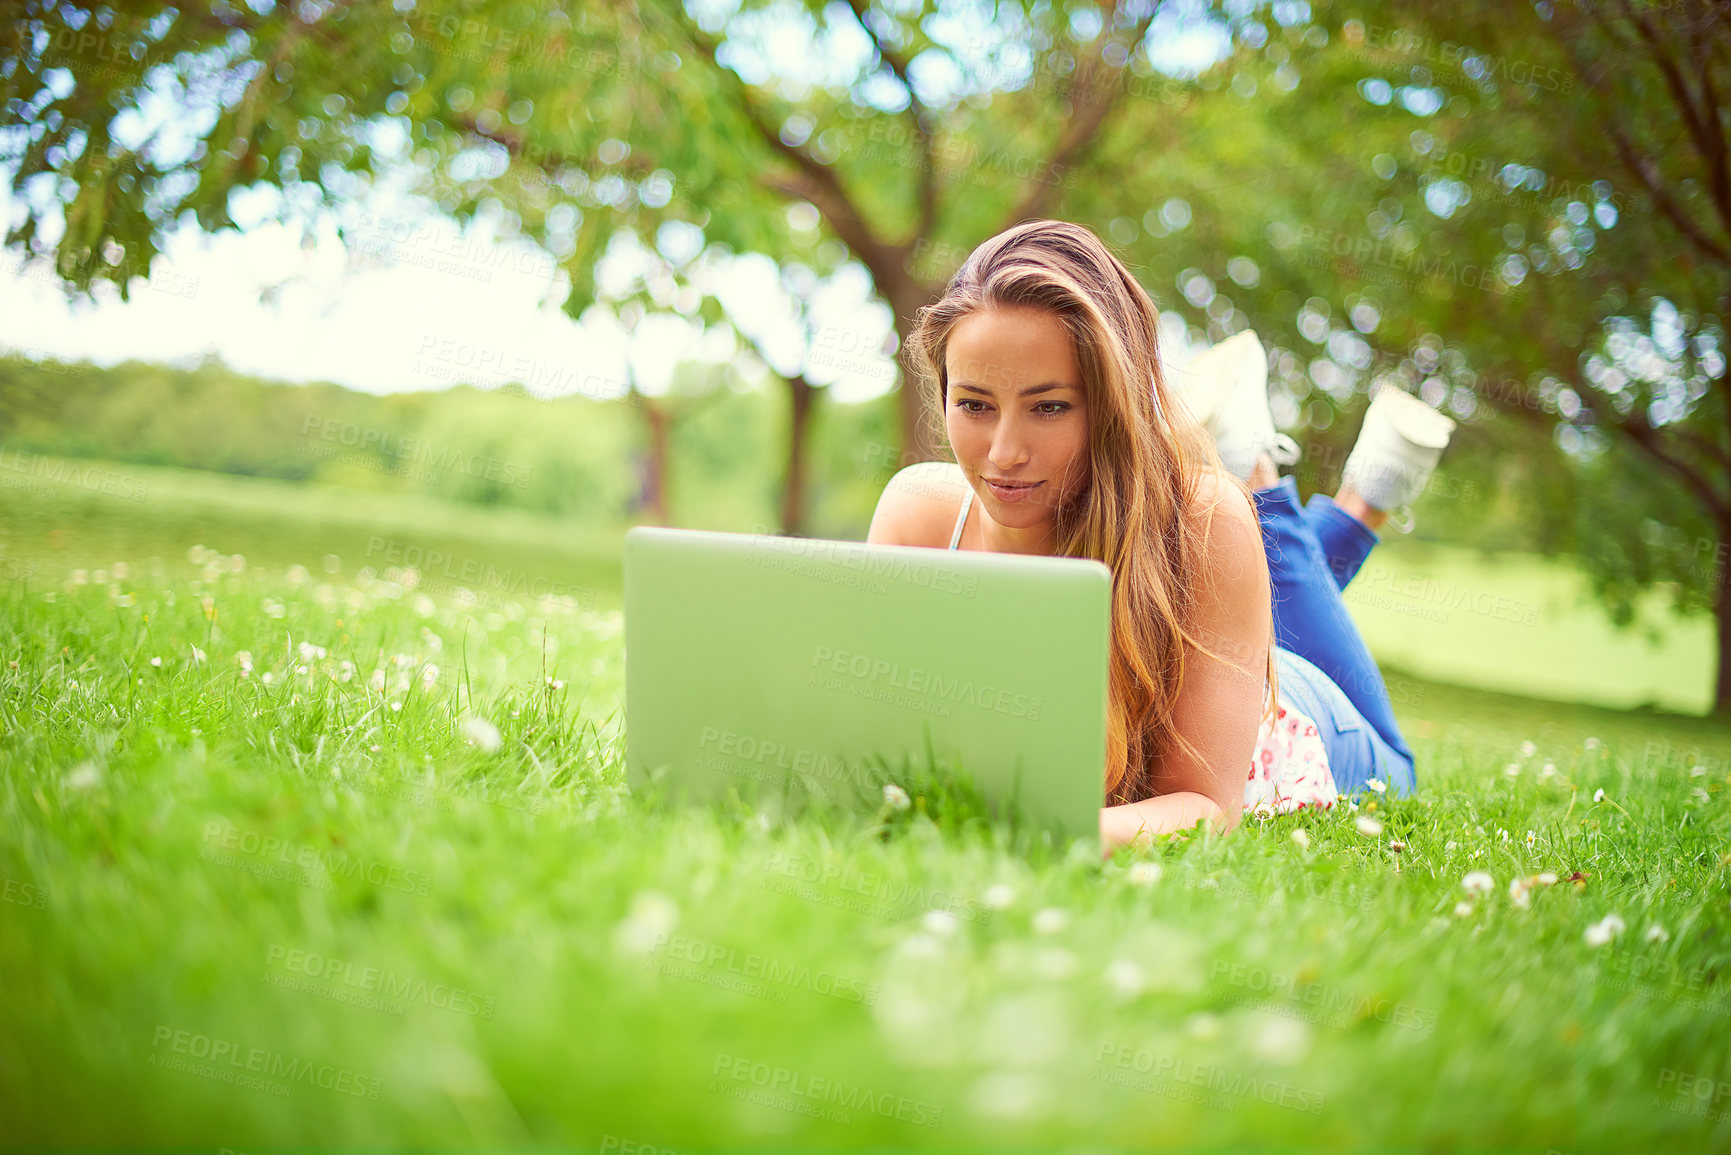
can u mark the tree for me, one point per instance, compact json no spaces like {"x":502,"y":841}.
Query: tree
{"x":579,"y":120}
{"x":1592,"y":178}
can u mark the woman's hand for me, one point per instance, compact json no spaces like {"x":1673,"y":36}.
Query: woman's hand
{"x":1140,"y":821}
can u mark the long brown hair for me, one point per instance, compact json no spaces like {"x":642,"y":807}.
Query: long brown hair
{"x":1148,"y":455}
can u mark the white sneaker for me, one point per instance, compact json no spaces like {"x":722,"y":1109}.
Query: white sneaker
{"x":1226,"y":388}
{"x":1397,"y":449}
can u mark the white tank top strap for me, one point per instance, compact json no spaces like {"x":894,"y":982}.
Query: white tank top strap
{"x":961,"y":518}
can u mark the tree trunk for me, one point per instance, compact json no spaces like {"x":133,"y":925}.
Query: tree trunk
{"x":891,"y":268}
{"x":659,"y":420}
{"x":802,"y":395}
{"x":1722,"y":620}
{"x":920,"y":442}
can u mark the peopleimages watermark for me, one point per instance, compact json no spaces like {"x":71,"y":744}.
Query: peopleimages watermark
{"x":408,"y":451}
{"x":1376,"y":259}
{"x":750,"y":972}
{"x":1437,"y":596}
{"x":1327,"y":461}
{"x":1659,"y":753}
{"x":840,"y":884}
{"x":848,"y":563}
{"x":934,"y":259}
{"x":444,"y":798}
{"x":445,"y":572}
{"x":1053,"y":75}
{"x":1700,"y":1095}
{"x":551,"y":51}
{"x":730,"y":752}
{"x":919,"y":688}
{"x":851,"y":351}
{"x":786,"y":1089}
{"x":434,"y":245}
{"x":269,"y":856}
{"x":369,"y":987}
{"x":1665,"y":981}
{"x":1362,"y":37}
{"x":17,"y":465}
{"x":959,"y":161}
{"x":86,"y":42}
{"x":164,"y":282}
{"x":1484,"y":171}
{"x":1318,"y":1002}
{"x":1228,"y":1087}
{"x":23,"y":894}
{"x":1344,"y":893}
{"x":611,"y":1143}
{"x":450,"y":359}
{"x":255,"y":1068}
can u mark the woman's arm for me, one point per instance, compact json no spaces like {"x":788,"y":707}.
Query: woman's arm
{"x":1162,"y":815}
{"x":1219,"y":706}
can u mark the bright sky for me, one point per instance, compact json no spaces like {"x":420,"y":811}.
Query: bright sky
{"x":418,"y":305}
{"x":415,"y":305}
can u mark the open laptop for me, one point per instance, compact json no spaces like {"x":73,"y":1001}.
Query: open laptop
{"x":757,"y":663}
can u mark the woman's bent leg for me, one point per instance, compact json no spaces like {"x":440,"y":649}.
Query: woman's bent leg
{"x":1345,"y":540}
{"x":1356,"y":752}
{"x":1311,"y":620}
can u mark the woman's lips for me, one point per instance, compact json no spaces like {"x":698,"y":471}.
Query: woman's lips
{"x":1013,"y":492}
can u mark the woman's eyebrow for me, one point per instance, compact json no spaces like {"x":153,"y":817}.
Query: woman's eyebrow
{"x":1028,"y":392}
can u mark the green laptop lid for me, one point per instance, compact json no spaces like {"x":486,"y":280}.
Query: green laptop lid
{"x":756,"y":662}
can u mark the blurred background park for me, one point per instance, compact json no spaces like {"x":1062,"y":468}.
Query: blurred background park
{"x":472,"y":288}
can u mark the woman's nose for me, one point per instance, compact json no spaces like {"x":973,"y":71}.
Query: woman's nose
{"x":1006,"y":454}
{"x":1008,"y":443}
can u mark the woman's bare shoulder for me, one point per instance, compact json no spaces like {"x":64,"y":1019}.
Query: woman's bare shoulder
{"x":1225,"y":513}
{"x":918,"y":505}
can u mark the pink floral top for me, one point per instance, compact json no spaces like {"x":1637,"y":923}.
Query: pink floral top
{"x":1289,"y":767}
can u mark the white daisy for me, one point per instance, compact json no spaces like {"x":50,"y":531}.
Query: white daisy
{"x":481,"y":733}
{"x":1604,"y":930}
{"x":1050,"y":920}
{"x":1144,"y":873}
{"x":940,"y":922}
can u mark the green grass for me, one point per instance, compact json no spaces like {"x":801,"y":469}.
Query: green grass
{"x":1526,"y":625}
{"x":526,"y":953}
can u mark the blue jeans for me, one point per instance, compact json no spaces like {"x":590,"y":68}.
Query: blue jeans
{"x":1325,"y":669}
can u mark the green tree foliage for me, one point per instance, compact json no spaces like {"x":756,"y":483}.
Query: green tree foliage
{"x":1576,"y":158}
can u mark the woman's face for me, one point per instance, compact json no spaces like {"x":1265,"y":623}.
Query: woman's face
{"x":1016,"y":413}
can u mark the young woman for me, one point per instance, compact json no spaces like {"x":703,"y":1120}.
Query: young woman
{"x":1238,"y":679}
